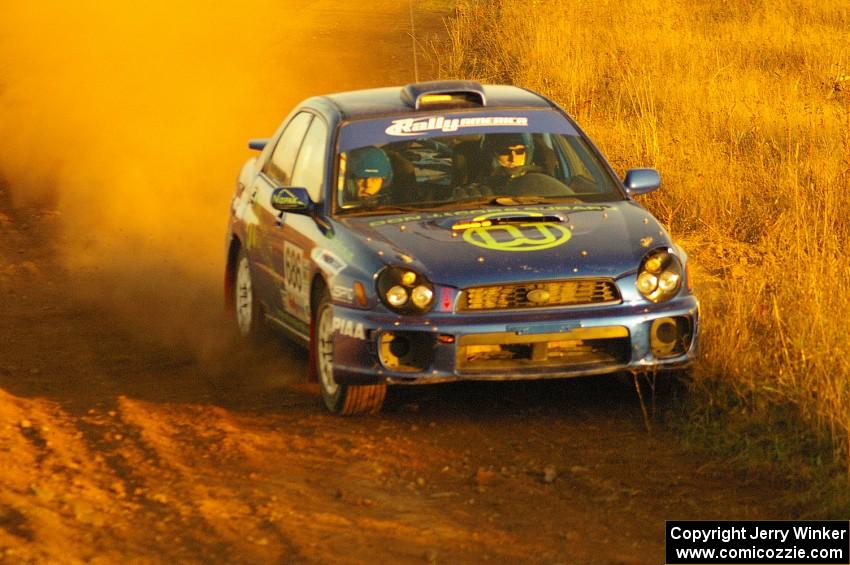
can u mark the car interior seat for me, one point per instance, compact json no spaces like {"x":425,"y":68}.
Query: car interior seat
{"x":403,"y":187}
{"x":466,"y":162}
{"x":544,"y":158}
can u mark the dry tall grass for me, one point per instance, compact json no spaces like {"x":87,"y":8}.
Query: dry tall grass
{"x":744,"y":107}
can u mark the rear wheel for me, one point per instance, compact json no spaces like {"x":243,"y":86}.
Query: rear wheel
{"x":249,"y":314}
{"x":346,"y":400}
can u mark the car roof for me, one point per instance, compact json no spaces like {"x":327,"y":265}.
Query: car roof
{"x":396,"y":99}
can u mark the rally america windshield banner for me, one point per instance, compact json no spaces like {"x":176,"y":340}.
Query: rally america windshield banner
{"x":383,"y":130}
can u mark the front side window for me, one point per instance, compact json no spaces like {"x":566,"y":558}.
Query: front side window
{"x":310,"y":168}
{"x":423,"y":163}
{"x":279,"y":167}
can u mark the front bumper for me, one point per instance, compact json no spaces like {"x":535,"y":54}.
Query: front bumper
{"x":513,"y":345}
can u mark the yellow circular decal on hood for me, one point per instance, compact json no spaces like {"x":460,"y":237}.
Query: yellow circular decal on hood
{"x":516,"y":236}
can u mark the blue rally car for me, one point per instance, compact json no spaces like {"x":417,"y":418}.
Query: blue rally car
{"x":451,"y":231}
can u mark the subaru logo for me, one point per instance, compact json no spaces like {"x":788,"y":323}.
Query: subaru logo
{"x":538,"y":296}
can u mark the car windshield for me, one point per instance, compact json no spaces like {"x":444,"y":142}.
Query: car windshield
{"x":498,"y":167}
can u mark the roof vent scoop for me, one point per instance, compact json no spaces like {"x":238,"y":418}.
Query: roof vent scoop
{"x":441,"y":94}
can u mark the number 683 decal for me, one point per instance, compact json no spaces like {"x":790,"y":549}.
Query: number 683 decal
{"x":295,"y":274}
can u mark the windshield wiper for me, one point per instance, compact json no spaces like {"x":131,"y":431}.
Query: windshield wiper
{"x":467,"y":202}
{"x":378,"y":210}
{"x":506,"y":201}
{"x":520,"y":200}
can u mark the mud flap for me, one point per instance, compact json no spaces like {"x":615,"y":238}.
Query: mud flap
{"x":312,"y":372}
{"x":348,"y":377}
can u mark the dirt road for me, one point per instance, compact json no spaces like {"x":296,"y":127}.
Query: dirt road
{"x":134,"y":428}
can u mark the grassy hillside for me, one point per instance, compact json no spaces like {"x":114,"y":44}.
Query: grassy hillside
{"x":743,"y":107}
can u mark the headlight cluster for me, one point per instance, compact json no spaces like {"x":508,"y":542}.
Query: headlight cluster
{"x":660,"y":275}
{"x":405,"y":291}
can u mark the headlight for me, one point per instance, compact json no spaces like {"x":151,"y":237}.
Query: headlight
{"x":422,"y":296}
{"x":408,"y":278}
{"x":668,"y":281}
{"x":647,"y":283}
{"x":405,"y":291}
{"x":660,"y":275}
{"x":397,"y":296}
{"x":653,"y":264}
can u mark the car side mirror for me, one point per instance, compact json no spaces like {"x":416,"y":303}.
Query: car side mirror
{"x":641,"y":181}
{"x":292,"y":199}
{"x":257,"y":144}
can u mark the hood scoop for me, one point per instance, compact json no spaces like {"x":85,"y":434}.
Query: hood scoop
{"x":504,"y":220}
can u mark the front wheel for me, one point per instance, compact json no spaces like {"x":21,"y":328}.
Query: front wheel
{"x":346,"y":400}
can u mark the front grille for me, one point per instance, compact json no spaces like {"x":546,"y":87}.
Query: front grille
{"x":572,"y":292}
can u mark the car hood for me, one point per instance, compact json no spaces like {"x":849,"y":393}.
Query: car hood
{"x":540,"y":242}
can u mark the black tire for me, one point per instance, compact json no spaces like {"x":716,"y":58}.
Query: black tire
{"x":249,"y":313}
{"x":345,"y":400}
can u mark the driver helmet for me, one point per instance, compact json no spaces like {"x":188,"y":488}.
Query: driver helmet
{"x":510,"y":150}
{"x":371,"y":172}
{"x":371,"y":162}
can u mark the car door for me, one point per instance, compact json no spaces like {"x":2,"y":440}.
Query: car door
{"x":300,"y":231}
{"x":268,"y":249}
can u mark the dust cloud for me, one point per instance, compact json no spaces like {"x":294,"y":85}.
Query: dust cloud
{"x":127,"y":118}
{"x":131,"y":120}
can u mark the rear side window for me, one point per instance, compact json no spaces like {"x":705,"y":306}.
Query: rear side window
{"x":279,"y":167}
{"x":310,"y":168}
